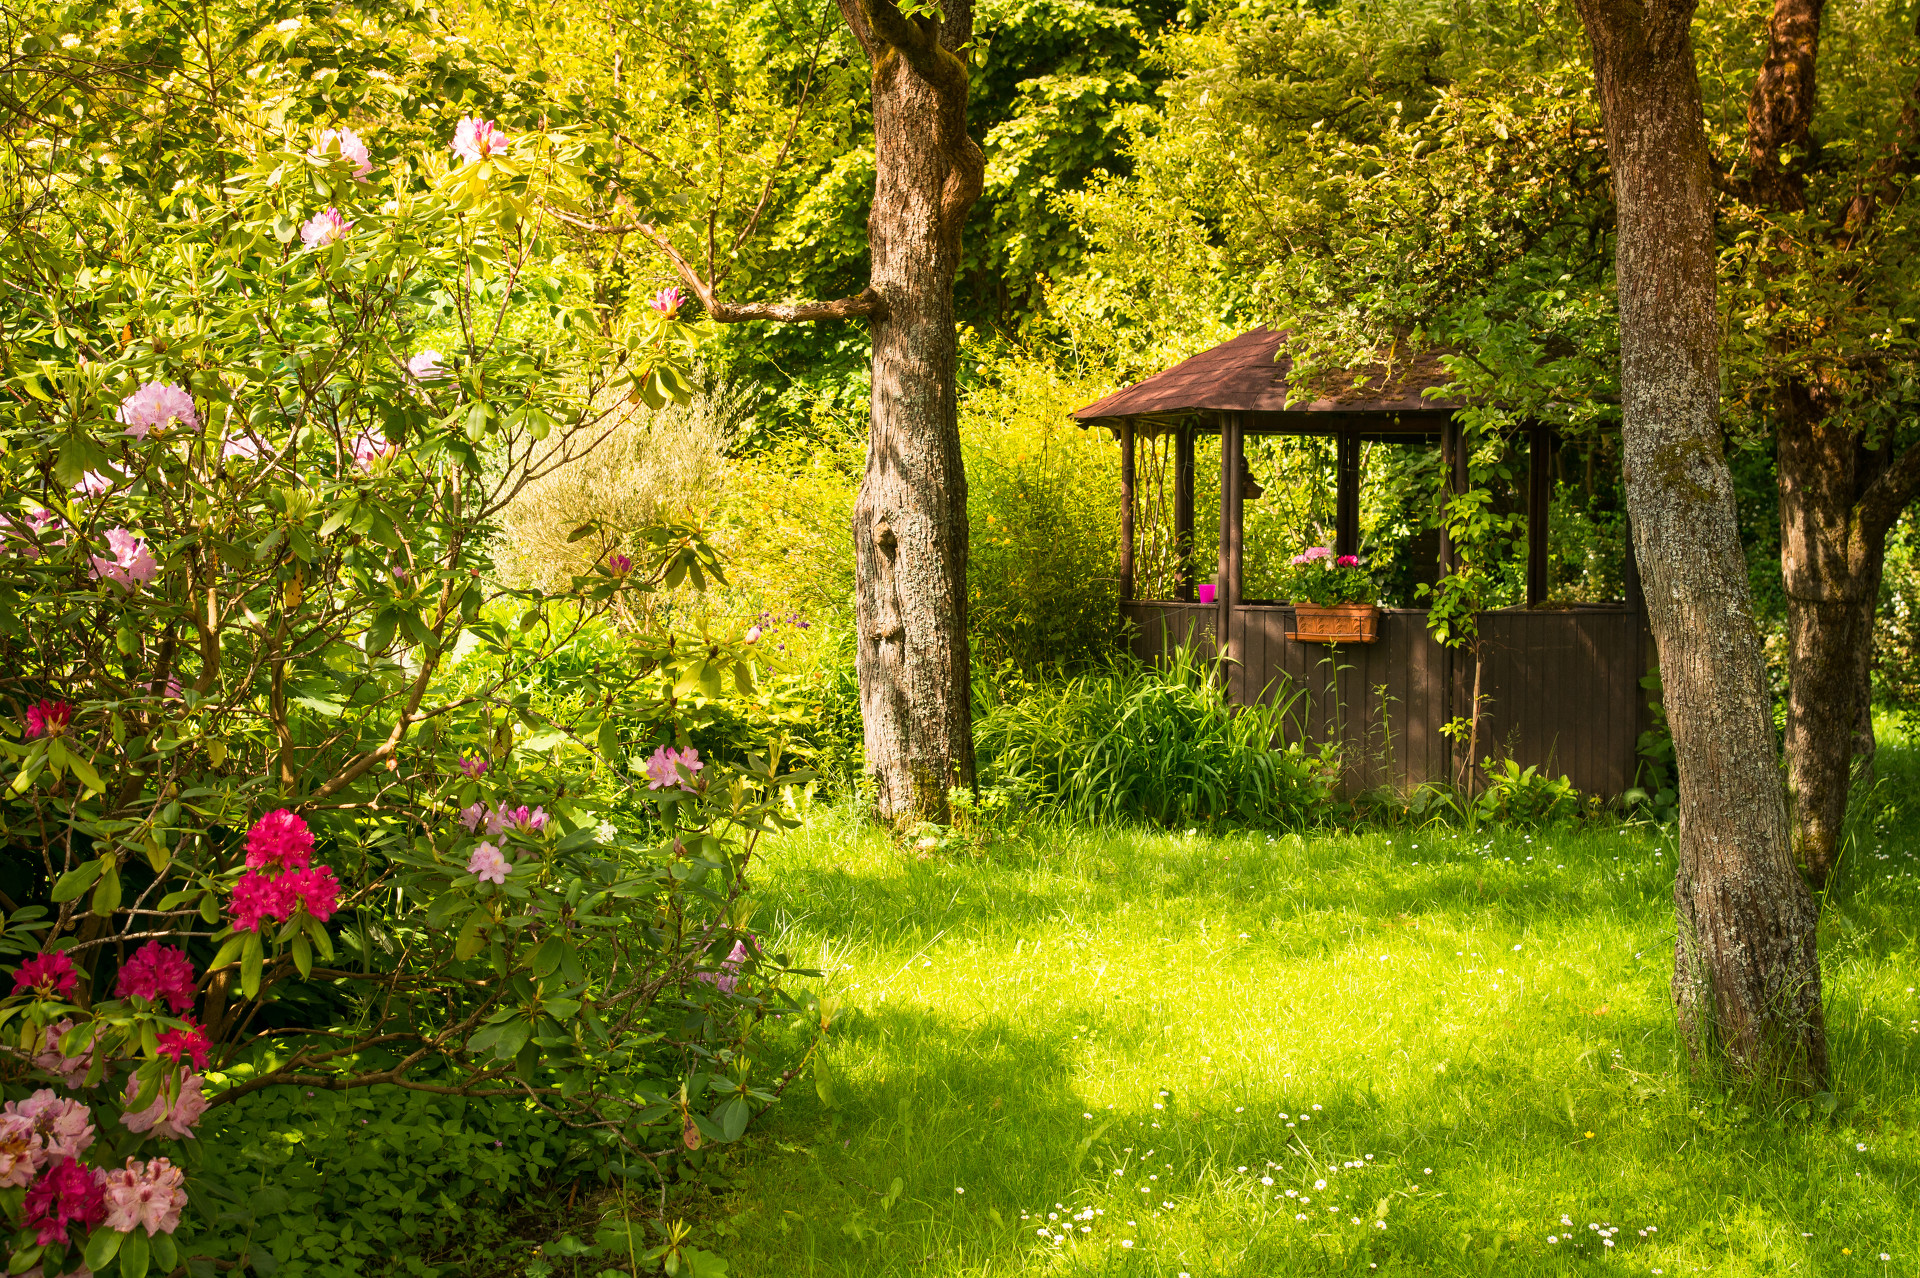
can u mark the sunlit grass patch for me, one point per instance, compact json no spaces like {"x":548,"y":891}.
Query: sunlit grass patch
{"x":1134,"y":1052}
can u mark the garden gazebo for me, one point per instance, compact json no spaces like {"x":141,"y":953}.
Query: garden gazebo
{"x":1560,"y":684}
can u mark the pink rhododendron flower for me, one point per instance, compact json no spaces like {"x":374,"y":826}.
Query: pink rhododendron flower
{"x":48,"y":718}
{"x":668,"y":301}
{"x":314,"y":890}
{"x":149,"y":1195}
{"x":36,"y":526}
{"x":372,"y":446}
{"x":94,"y":484}
{"x":664,"y":764}
{"x":477,"y":139}
{"x":753,"y":634}
{"x":350,"y":147}
{"x":256,"y":897}
{"x":46,"y":973}
{"x":244,"y":445}
{"x":488,"y":864}
{"x":280,"y":839}
{"x":504,"y":818}
{"x":171,"y":691}
{"x":426,"y":366}
{"x":176,"y":1109}
{"x":728,"y":978}
{"x":177,"y":1045}
{"x":473,"y":765}
{"x":71,"y":1070}
{"x":155,"y":406}
{"x":64,"y":1126}
{"x":22,"y":1151}
{"x":618,"y":564}
{"x":68,"y":1195}
{"x":1348,"y":561}
{"x":1318,"y":552}
{"x":472,"y":815}
{"x":325,"y":228}
{"x":132,"y":563}
{"x":158,"y":973}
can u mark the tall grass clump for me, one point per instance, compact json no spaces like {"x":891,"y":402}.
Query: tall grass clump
{"x":1147,"y":743}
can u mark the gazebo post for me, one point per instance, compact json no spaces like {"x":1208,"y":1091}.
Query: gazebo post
{"x":1223,"y":574}
{"x":1346,"y":500}
{"x":1183,"y":481}
{"x":1539,"y":508}
{"x":1237,"y":486}
{"x":1453,"y":459}
{"x":1126,"y":509}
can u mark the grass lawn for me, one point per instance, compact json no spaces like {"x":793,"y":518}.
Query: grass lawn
{"x":1175,"y":1053}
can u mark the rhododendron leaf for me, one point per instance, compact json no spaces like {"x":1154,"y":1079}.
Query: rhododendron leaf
{"x":321,"y":941}
{"x":303,"y":955}
{"x":472,"y":939}
{"x":165,"y":1254}
{"x":24,"y":1259}
{"x":106,"y":893}
{"x":83,"y":769}
{"x":252,"y":956}
{"x":209,"y":907}
{"x":77,"y":880}
{"x":103,"y":1244}
{"x":133,"y":1256}
{"x":733,"y":1116}
{"x":513,"y":1037}
{"x":547,"y":957}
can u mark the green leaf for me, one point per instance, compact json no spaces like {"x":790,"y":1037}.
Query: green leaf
{"x":303,"y":955}
{"x":166,"y":1254}
{"x":133,"y":1255}
{"x":547,"y":957}
{"x":252,"y":956}
{"x":229,"y":951}
{"x":84,"y":770}
{"x":77,"y":880}
{"x":106,"y":893}
{"x":103,"y":1244}
{"x":472,"y":937}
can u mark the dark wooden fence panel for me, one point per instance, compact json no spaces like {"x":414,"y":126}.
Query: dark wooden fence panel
{"x":1559,"y":689}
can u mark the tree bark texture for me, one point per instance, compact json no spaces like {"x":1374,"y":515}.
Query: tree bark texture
{"x":910,"y":520}
{"x":1746,"y":975}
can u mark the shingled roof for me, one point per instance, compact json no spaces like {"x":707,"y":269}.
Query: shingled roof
{"x":1248,"y":374}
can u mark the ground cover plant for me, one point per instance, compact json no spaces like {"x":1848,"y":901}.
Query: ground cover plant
{"x":1215,"y":1052}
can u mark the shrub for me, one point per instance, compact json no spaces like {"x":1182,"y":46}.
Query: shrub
{"x":1151,"y":743}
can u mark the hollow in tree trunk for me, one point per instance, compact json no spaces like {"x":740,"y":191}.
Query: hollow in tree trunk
{"x":1746,"y":975}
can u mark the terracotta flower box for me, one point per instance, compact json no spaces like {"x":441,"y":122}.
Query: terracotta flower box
{"x":1340,"y":623}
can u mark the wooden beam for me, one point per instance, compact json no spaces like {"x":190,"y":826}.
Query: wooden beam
{"x":1238,"y":490}
{"x":1183,"y":509}
{"x":1223,"y":615}
{"x":1453,"y":466}
{"x":1346,"y":500}
{"x":1539,"y":511}
{"x":1126,"y":508}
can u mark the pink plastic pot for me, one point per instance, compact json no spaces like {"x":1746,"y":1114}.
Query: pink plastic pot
{"x":1206,"y":593}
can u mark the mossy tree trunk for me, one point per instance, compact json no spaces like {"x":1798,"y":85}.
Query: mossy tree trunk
{"x":1746,"y":976}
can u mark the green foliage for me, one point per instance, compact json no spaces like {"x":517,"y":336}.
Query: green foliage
{"x":1656,"y":780}
{"x":1326,"y":580}
{"x":1524,"y":798}
{"x":1147,"y":744}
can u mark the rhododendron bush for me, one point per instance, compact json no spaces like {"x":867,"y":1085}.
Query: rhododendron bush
{"x":293,"y":794}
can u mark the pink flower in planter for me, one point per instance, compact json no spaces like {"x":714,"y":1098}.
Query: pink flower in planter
{"x":1318,"y":552}
{"x":1300,"y":561}
{"x":1348,"y":561}
{"x":477,"y":139}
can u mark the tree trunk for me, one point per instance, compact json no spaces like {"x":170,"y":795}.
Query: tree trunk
{"x":1746,"y":976}
{"x":910,"y":522}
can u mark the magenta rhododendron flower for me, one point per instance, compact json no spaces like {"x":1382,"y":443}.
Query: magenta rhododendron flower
{"x":177,"y":1045}
{"x":664,"y":764}
{"x":69,"y":1194}
{"x":668,"y":301}
{"x":477,"y":139}
{"x":473,"y":766}
{"x":176,"y":1109}
{"x":426,"y":366}
{"x":46,"y":974}
{"x":64,"y":1126}
{"x":255,"y":897}
{"x":350,"y":147}
{"x":314,"y":890}
{"x":71,"y":1070}
{"x":488,"y":864}
{"x":156,"y":406}
{"x":620,"y":565}
{"x":325,"y":228}
{"x":158,"y":973}
{"x":147,"y":1194}
{"x":47,"y":718}
{"x":1348,"y":561}
{"x":132,"y":563}
{"x":281,"y":840}
{"x":372,"y":446}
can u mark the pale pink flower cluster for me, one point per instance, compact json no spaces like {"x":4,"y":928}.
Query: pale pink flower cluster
{"x":727,"y":979}
{"x":350,"y":148}
{"x":33,"y":525}
{"x":155,"y":406}
{"x":244,"y":445}
{"x":372,"y":446}
{"x":501,"y":819}
{"x":95,"y":484}
{"x":1312,"y":554}
{"x":489,"y":865}
{"x":39,"y":1130}
{"x":71,"y":1070}
{"x":475,"y":140}
{"x":132,"y":563}
{"x":176,"y":1108}
{"x":664,"y":764}
{"x":145,"y":1195}
{"x":325,"y":228}
{"x":426,"y":366}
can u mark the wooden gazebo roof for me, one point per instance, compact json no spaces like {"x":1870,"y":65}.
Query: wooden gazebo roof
{"x":1248,"y":375}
